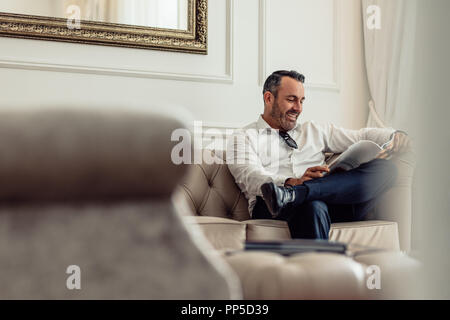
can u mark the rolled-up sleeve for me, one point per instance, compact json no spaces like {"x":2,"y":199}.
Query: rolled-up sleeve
{"x":338,"y":139}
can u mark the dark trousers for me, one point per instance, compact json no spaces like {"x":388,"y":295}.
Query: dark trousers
{"x":339,"y":197}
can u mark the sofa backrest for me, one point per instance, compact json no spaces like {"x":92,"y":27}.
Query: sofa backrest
{"x":210,"y":190}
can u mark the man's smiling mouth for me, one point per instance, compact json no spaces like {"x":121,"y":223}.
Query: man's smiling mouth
{"x":292,"y":116}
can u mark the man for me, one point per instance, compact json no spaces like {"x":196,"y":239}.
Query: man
{"x":279,"y":164}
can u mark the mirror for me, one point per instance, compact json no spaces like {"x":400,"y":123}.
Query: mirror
{"x":168,"y":14}
{"x":177,"y":25}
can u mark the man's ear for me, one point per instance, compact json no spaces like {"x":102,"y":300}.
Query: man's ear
{"x":268,"y":98}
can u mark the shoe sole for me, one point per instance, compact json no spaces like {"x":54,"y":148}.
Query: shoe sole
{"x":268,"y":192}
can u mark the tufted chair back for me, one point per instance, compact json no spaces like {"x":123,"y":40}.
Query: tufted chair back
{"x":210,"y":190}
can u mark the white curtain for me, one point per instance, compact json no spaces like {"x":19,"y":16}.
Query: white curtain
{"x":389,"y":53}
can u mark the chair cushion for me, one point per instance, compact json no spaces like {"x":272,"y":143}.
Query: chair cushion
{"x":223,"y":234}
{"x":230,"y":234}
{"x":267,"y":230}
{"x":266,"y":275}
{"x":374,"y":233}
{"x":397,"y":270}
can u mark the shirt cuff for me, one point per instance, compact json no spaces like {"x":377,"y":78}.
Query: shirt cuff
{"x":393,"y":134}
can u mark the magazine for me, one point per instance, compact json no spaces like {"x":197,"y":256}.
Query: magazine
{"x":356,"y":155}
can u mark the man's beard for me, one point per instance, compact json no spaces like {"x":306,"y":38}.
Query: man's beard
{"x":280,"y":118}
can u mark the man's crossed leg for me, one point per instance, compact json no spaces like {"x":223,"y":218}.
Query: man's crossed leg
{"x":310,"y":208}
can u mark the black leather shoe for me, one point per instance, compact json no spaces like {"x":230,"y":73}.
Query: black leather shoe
{"x":277,"y":198}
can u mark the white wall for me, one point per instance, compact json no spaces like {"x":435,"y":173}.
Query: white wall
{"x":247,"y":40}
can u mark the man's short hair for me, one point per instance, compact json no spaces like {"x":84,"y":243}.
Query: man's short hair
{"x":274,"y":80}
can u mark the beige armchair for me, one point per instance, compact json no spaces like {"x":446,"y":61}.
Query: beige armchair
{"x":214,"y":201}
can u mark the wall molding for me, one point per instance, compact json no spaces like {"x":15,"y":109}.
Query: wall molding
{"x":264,"y":40}
{"x":227,"y":77}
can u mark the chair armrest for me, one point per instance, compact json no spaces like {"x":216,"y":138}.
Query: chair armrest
{"x":395,"y":204}
{"x":222,"y":233}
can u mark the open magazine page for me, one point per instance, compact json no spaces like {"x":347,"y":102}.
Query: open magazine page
{"x":357,"y":154}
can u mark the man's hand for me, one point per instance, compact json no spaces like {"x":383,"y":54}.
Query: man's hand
{"x":310,"y":174}
{"x":400,"y":143}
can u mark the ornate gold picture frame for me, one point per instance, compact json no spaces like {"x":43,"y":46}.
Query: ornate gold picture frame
{"x":192,"y":40}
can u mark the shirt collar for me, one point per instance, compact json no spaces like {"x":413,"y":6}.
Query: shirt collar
{"x":262,"y":124}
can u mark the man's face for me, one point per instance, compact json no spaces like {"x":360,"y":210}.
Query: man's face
{"x":285,"y":109}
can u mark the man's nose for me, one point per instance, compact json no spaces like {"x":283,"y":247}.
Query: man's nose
{"x":298,"y":107}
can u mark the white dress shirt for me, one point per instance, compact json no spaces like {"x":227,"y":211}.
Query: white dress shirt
{"x":256,"y":154}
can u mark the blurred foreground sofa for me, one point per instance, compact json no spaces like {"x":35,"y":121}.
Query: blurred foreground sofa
{"x":92,"y":189}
